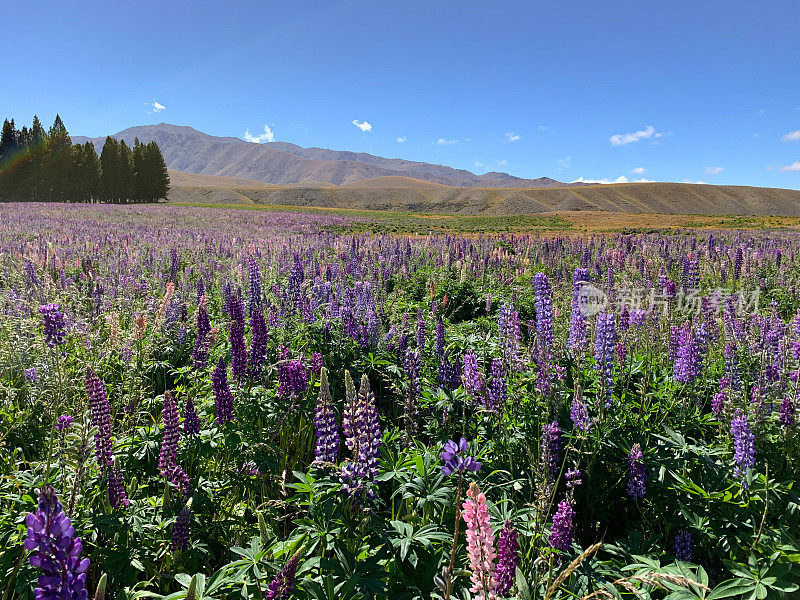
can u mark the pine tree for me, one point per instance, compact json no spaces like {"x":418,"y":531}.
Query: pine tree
{"x":35,"y":145}
{"x":126,"y":177}
{"x":141,"y":184}
{"x":160,"y":175}
{"x":110,"y":171}
{"x":8,"y":150}
{"x":91,"y":172}
{"x":59,"y":163}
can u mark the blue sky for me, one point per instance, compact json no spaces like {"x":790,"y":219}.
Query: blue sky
{"x":670,"y":91}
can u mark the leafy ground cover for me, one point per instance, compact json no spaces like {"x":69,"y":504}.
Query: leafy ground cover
{"x":209,"y":403}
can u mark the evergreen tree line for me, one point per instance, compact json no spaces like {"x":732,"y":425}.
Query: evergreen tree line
{"x":45,"y":166}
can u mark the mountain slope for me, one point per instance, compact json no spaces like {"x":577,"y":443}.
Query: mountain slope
{"x":186,"y":149}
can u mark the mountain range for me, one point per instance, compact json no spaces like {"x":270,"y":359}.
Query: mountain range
{"x":191,"y":151}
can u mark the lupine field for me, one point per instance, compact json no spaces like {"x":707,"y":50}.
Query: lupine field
{"x":225,"y":404}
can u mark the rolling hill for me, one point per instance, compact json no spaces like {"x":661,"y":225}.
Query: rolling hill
{"x":414,"y":195}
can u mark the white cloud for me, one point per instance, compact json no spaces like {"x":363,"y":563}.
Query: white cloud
{"x":513,"y":137}
{"x":401,"y":139}
{"x":622,"y":139}
{"x":795,"y":166}
{"x":565,"y":162}
{"x":694,"y":182}
{"x":157,"y":106}
{"x":792,"y":136}
{"x":479,"y":164}
{"x":501,"y":163}
{"x":446,"y":142}
{"x":363,"y":126}
{"x":638,"y":170}
{"x":543,"y":128}
{"x":267,"y":136}
{"x":714,"y":170}
{"x":606,"y":180}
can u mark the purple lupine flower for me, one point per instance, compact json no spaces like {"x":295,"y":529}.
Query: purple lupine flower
{"x":236,"y":337}
{"x":683,"y":546}
{"x":101,"y":418}
{"x":411,"y":370}
{"x":178,"y":477}
{"x":691,"y":348}
{"x":222,"y":393}
{"x":605,"y":340}
{"x":364,"y":440}
{"x":31,"y":375}
{"x":200,"y":353}
{"x":498,"y":389}
{"x":316,"y":364}
{"x":551,"y":444}
{"x":718,"y":403}
{"x":64,"y":422}
{"x":182,"y":529}
{"x":116,"y":487}
{"x":169,"y":443}
{"x":573,"y":477}
{"x":579,"y":413}
{"x":281,"y":587}
{"x":57,"y":552}
{"x":455,"y":458}
{"x":191,"y":420}
{"x":258,"y":345}
{"x":638,"y":475}
{"x":744,"y":446}
{"x":787,"y":417}
{"x":507,"y":559}
{"x":577,"y":327}
{"x":421,"y":332}
{"x":53,"y":324}
{"x":543,"y":301}
{"x":562,"y":530}
{"x":292,"y":375}
{"x":327,"y":434}
{"x":254,"y":299}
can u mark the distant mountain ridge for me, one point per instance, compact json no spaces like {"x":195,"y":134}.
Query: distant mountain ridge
{"x":186,"y":149}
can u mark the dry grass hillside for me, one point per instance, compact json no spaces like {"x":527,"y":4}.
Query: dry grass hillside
{"x":413,"y":195}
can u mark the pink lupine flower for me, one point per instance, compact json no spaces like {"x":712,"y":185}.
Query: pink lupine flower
{"x":480,"y":545}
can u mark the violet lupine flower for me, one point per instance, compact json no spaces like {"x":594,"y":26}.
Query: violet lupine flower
{"x":787,"y":417}
{"x":364,"y":440}
{"x":116,"y":488}
{"x":577,"y":327}
{"x":236,"y":337}
{"x":691,"y":348}
{"x":543,"y":301}
{"x":182,"y":530}
{"x":480,"y":544}
{"x":254,"y":299}
{"x":421,"y":332}
{"x":191,"y":420}
{"x":508,"y":328}
{"x":327,"y":434}
{"x":498,"y":389}
{"x":605,"y":341}
{"x":57,"y":551}
{"x":200,"y":353}
{"x":718,"y":403}
{"x":281,"y":587}
{"x":638,"y":475}
{"x":222,"y":393}
{"x":258,"y":345}
{"x":573,"y":477}
{"x":53,"y":324}
{"x":579,"y":413}
{"x":455,"y":458}
{"x":683,"y":546}
{"x":744,"y":446}
{"x":31,"y":375}
{"x":101,"y":418}
{"x":169,"y":443}
{"x":473,"y":380}
{"x":507,"y":559}
{"x":551,"y":444}
{"x":562,"y":530}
